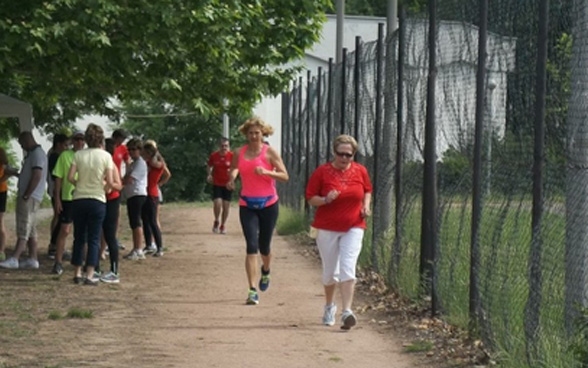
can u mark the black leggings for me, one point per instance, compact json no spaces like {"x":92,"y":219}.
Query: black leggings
{"x":134,"y":208}
{"x":149,"y":217}
{"x":109,"y":231}
{"x":258,"y":227}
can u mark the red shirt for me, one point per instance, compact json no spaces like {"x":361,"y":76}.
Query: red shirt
{"x":153,"y":177}
{"x":121,"y":154}
{"x":344,"y":212}
{"x":221,"y":164}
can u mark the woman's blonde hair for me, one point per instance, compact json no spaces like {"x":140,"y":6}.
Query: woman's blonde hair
{"x":94,"y":136}
{"x":151,"y":142}
{"x":344,"y":139}
{"x":265,"y":128}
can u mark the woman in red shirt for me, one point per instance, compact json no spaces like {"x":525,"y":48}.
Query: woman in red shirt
{"x":342,"y":191}
{"x":157,"y":170}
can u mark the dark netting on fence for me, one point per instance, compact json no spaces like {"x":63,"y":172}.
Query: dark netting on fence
{"x":479,"y":165}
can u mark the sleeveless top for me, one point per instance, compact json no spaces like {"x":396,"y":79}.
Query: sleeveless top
{"x":253,"y":185}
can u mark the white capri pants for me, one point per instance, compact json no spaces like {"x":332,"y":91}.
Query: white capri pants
{"x":339,"y":253}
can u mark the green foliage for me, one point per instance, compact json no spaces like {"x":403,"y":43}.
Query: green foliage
{"x":455,"y":171}
{"x":291,"y":222}
{"x":184,"y":141}
{"x":579,"y":346}
{"x":55,"y":315}
{"x":70,"y":57}
{"x":419,"y":346}
{"x":80,"y":313}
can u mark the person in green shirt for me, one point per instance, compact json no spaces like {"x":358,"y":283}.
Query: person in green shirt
{"x":63,"y":202}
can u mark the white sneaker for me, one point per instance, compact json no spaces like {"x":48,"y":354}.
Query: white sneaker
{"x":150,"y":249}
{"x":29,"y":263}
{"x":348,"y":320}
{"x":11,"y":263}
{"x":135,"y":255}
{"x":110,"y":278}
{"x":329,"y":315}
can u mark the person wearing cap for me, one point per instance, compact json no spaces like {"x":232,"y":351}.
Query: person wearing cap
{"x":63,"y":198}
{"x":60,"y":144}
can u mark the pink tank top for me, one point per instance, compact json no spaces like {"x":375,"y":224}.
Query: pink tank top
{"x":253,"y":185}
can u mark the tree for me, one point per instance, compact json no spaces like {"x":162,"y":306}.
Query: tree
{"x":70,"y":57}
{"x":184,"y":141}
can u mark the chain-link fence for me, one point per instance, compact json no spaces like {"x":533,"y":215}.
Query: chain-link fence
{"x":478,"y":163}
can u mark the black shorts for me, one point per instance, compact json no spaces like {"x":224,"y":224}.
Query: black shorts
{"x":221,"y":192}
{"x":3,"y":196}
{"x":66,"y":215}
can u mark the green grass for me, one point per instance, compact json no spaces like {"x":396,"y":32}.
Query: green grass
{"x":291,"y":222}
{"x":419,"y":346}
{"x":503,"y":268}
{"x":55,"y":315}
{"x":80,"y":313}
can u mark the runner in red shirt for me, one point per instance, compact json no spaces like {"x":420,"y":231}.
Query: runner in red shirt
{"x":219,"y":164}
{"x":342,"y":192}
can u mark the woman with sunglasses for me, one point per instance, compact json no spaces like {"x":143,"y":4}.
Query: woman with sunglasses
{"x":259,"y":166}
{"x":342,"y":192}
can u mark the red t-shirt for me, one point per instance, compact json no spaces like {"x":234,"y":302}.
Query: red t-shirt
{"x":153,"y":177}
{"x":221,"y":164}
{"x":344,"y":212}
{"x":121,"y":154}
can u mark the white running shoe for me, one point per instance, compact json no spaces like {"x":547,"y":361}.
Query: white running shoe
{"x":348,"y":320}
{"x":29,"y":263}
{"x":329,"y":315}
{"x":10,"y":263}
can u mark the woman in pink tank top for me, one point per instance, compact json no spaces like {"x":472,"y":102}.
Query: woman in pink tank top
{"x":259,"y":167}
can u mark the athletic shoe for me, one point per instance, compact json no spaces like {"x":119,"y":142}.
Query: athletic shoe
{"x":96,"y":276}
{"x":57,"y":269}
{"x":120,"y":246}
{"x":91,"y":282}
{"x":222,"y":229}
{"x":135,"y":255}
{"x":150,"y":249}
{"x":2,"y":256}
{"x":252,"y":298}
{"x":215,"y":228}
{"x":264,"y":281}
{"x":51,"y":253}
{"x":110,"y":278}
{"x":78,"y":280}
{"x":348,"y":320}
{"x":159,"y":253}
{"x":29,"y":263}
{"x":329,"y":315}
{"x":66,"y":256}
{"x":11,"y":263}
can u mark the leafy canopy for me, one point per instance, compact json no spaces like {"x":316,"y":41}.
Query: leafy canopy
{"x":70,"y":57}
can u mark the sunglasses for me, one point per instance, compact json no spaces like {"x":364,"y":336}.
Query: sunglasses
{"x":344,"y":154}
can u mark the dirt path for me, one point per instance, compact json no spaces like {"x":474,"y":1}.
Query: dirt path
{"x":185,"y":309}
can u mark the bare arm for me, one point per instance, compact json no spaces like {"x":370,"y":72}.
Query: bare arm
{"x":71,"y":175}
{"x":233,"y":172}
{"x":279,"y":173}
{"x":165,"y":176}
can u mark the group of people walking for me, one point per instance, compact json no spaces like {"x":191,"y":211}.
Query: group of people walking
{"x":340,"y":190}
{"x":87,"y":184}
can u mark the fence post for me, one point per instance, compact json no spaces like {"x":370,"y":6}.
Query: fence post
{"x":299,"y":147}
{"x":357,"y":90}
{"x":343,"y":101}
{"x":319,"y":96}
{"x":533,"y":306}
{"x":398,"y":186}
{"x":474,"y":302}
{"x":329,"y":109}
{"x":307,"y":150}
{"x":429,"y":215}
{"x":283,"y":137}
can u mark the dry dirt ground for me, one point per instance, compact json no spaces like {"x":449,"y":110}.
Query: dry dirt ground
{"x":185,"y":309}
